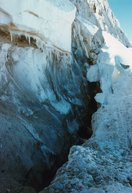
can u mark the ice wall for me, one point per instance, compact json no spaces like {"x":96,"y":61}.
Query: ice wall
{"x":45,"y":92}
{"x":103,"y":163}
{"x":50,"y":20}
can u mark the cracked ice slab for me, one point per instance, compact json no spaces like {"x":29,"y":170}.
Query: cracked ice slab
{"x":48,"y":19}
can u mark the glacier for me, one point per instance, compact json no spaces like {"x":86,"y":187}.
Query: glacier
{"x":103,"y":163}
{"x":65,"y":76}
{"x":49,"y":20}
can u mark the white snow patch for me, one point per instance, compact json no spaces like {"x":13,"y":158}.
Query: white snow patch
{"x":114,"y":60}
{"x":90,"y":27}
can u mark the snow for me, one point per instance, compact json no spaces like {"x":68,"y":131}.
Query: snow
{"x":103,"y":163}
{"x":113,"y":60}
{"x":93,"y":171}
{"x":98,"y":12}
{"x":93,"y":73}
{"x":113,"y":120}
{"x":88,"y":25}
{"x":43,"y":84}
{"x":50,"y":20}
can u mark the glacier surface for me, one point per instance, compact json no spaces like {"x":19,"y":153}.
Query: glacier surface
{"x":56,"y":58}
{"x":103,"y":163}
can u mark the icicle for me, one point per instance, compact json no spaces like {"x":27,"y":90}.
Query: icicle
{"x":25,"y":34}
{"x":39,"y":44}
{"x":29,"y":39}
{"x":11,"y":36}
